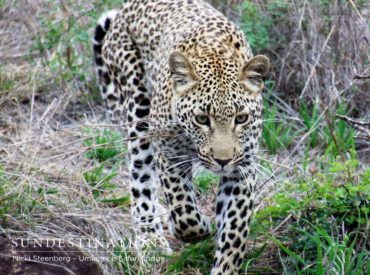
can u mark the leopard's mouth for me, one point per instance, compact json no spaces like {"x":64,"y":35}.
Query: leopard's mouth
{"x":217,"y":169}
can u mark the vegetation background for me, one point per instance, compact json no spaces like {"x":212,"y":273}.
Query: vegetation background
{"x":63,"y":173}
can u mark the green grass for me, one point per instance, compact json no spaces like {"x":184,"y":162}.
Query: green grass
{"x":329,"y":222}
{"x":19,"y":197}
{"x":311,"y":121}
{"x":331,"y":254}
{"x":104,"y":144}
{"x":99,"y":179}
{"x":337,"y":191}
{"x":255,"y":29}
{"x":277,"y":134}
{"x":106,"y":148}
{"x":338,"y":136}
{"x":7,"y":85}
{"x":6,"y":200}
{"x":204,"y":181}
{"x":198,"y":255}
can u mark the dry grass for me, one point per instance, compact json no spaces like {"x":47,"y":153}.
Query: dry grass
{"x":41,"y":145}
{"x":327,"y":48}
{"x":44,"y":162}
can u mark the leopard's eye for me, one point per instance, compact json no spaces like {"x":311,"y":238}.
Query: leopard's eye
{"x":202,"y":120}
{"x":240,"y":119}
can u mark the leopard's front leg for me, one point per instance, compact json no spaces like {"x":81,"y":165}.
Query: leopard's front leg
{"x":187,"y":222}
{"x":145,"y":207}
{"x":233,"y":213}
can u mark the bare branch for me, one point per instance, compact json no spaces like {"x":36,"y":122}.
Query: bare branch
{"x":361,"y":76}
{"x":367,"y":138}
{"x":351,"y":121}
{"x":358,"y":125}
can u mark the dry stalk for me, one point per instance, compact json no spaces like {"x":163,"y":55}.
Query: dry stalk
{"x":358,"y":125}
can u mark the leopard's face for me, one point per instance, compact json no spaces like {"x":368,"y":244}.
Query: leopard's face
{"x":224,"y":126}
{"x":220,"y":112}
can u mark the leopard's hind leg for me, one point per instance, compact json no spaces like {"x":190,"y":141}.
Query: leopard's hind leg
{"x":112,"y":97}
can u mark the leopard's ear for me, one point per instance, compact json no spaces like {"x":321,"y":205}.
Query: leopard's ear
{"x":183,"y":74}
{"x":253,"y":72}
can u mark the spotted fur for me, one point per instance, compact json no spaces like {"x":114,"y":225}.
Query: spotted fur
{"x":185,"y":81}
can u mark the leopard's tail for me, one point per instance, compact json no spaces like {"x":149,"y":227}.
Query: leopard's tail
{"x":101,"y":30}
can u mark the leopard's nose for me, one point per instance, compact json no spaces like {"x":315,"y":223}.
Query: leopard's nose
{"x":222,"y":162}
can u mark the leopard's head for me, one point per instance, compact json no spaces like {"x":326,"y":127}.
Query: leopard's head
{"x":218,"y":102}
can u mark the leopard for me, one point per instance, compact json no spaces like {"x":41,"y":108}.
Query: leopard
{"x":184,"y":82}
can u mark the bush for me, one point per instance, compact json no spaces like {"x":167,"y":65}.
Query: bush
{"x":329,"y":213}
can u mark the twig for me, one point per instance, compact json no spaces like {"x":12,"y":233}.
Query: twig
{"x":354,"y":122}
{"x":358,"y":125}
{"x":361,"y":76}
{"x":364,"y":74}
